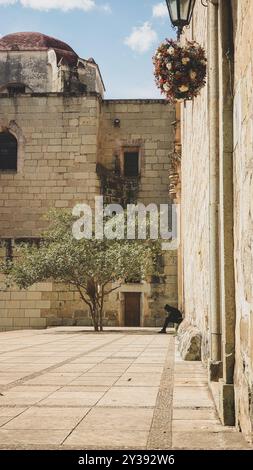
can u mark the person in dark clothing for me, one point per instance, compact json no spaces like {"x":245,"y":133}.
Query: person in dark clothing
{"x":173,"y":316}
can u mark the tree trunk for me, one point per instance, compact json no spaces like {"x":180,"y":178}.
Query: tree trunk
{"x":96,"y":309}
{"x":96,"y":318}
{"x":101,"y":314}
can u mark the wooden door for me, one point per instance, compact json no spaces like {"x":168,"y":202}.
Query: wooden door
{"x":132,"y":309}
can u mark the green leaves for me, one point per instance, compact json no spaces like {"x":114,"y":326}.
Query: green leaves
{"x":82,"y":263}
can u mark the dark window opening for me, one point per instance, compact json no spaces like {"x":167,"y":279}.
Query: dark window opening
{"x":133,"y":280}
{"x":155,"y":279}
{"x":8,"y":244}
{"x":8,"y":151}
{"x":82,"y":88}
{"x":16,"y":89}
{"x":131,"y":164}
{"x":28,"y":241}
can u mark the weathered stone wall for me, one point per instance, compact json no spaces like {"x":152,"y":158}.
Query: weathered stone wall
{"x":154,"y":296}
{"x":43,"y":72}
{"x":147,"y":125}
{"x":57,"y":138}
{"x":60,"y":140}
{"x":90,"y":76}
{"x":57,"y":157}
{"x":195,"y":203}
{"x":195,"y":196}
{"x":30,"y":68}
{"x":243,"y":211}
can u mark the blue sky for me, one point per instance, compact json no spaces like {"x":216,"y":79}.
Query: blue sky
{"x":121,"y":35}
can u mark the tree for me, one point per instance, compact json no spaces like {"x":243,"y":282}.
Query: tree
{"x":95,"y":267}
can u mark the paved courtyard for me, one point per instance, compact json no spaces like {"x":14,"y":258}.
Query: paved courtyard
{"x":66,"y":388}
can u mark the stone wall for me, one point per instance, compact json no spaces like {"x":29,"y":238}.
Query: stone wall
{"x":30,"y":68}
{"x":196,"y":182}
{"x":243,"y":211}
{"x":154,"y":296}
{"x":61,"y":138}
{"x":147,"y":125}
{"x":43,"y":72}
{"x":57,"y":158}
{"x":195,"y":197}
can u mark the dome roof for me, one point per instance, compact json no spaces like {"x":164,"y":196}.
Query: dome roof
{"x":38,"y":42}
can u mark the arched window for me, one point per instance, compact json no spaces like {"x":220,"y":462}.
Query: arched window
{"x":8,"y":151}
{"x":15,"y":88}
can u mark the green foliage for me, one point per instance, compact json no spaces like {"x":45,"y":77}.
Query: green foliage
{"x":92,"y":266}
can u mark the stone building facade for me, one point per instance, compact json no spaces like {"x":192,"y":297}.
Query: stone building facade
{"x":216,"y":253}
{"x":67,"y":140}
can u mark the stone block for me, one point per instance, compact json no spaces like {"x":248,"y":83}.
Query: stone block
{"x":83,"y":322}
{"x":53,"y":321}
{"x":189,"y":342}
{"x":21,"y":322}
{"x":37,"y":322}
{"x":20,"y":295}
{"x":32,"y":313}
{"x":68,"y":321}
{"x":6,"y":322}
{"x":226,"y":403}
{"x":14,"y":312}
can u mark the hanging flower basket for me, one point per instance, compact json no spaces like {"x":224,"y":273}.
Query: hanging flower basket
{"x":180,"y":71}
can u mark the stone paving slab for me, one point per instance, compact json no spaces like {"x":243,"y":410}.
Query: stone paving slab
{"x":195,"y":424}
{"x":70,"y":398}
{"x":200,"y":440}
{"x":125,"y":419}
{"x":48,"y":419}
{"x":137,"y":379}
{"x":130,"y":396}
{"x":69,"y":388}
{"x":190,"y":414}
{"x":89,"y":380}
{"x":97,"y":437}
{"x":12,"y":438}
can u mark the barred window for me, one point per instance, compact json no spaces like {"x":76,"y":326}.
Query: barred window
{"x":8,"y":246}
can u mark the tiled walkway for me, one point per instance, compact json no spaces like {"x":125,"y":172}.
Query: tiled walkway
{"x":195,"y":422}
{"x":66,"y":388}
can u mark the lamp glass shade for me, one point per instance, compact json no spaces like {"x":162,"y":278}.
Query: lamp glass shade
{"x":180,"y":11}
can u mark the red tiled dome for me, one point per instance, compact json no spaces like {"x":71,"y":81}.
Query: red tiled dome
{"x":38,"y":42}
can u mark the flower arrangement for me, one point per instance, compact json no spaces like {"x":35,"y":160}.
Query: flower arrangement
{"x":180,"y":71}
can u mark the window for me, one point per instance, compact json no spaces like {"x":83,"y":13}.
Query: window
{"x":16,"y":89}
{"x":8,"y":245}
{"x":131,"y":164}
{"x":6,"y":251}
{"x":133,"y":280}
{"x":8,"y":151}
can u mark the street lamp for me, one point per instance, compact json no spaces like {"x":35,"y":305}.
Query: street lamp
{"x":180,"y":12}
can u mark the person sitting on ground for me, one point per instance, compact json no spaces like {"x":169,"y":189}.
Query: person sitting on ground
{"x":173,"y":316}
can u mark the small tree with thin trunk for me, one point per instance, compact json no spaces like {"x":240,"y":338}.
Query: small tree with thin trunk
{"x":94,"y":267}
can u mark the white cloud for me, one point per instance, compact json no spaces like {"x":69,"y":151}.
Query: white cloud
{"x":160,"y":10}
{"x":7,"y":2}
{"x":141,"y":38}
{"x":64,"y":5}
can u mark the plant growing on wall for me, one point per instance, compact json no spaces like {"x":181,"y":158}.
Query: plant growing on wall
{"x":94,"y":267}
{"x":180,"y":71}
